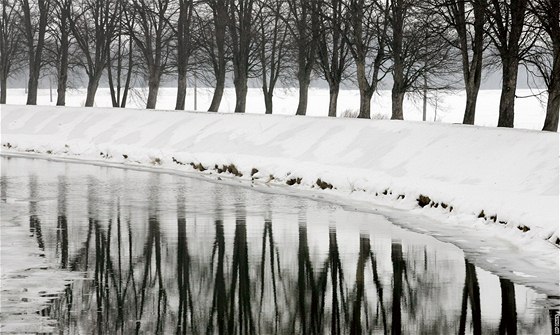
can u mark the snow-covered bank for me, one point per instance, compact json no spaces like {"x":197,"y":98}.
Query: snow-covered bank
{"x":501,"y":175}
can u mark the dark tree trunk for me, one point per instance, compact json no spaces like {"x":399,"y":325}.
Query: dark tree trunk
{"x":181,"y":89}
{"x":509,"y":85}
{"x":553,"y":103}
{"x":32,"y":85}
{"x":365,"y":104}
{"x":218,"y":91}
{"x":397,"y":98}
{"x":365,"y":90}
{"x":397,"y":94}
{"x":333,"y":99}
{"x":303,"y":95}
{"x":470,"y":108}
{"x":153,"y":88}
{"x":63,"y":65}
{"x":268,"y":101}
{"x":93,"y":83}
{"x":62,"y":81}
{"x":240,"y":93}
{"x":3,"y":89}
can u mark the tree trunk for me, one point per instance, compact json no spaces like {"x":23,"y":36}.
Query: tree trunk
{"x":267,"y":101}
{"x":333,"y":99}
{"x":33,"y":85}
{"x":303,"y":94}
{"x":218,"y":91}
{"x":470,"y":108}
{"x":240,"y":93}
{"x":553,"y":103}
{"x":3,"y":89}
{"x":507,"y":98}
{"x":61,"y":89}
{"x":93,"y":83}
{"x":365,"y":104}
{"x":181,"y":89}
{"x":397,"y":98}
{"x":63,"y":66}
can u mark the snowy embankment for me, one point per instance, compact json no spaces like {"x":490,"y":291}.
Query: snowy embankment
{"x":505,"y":177}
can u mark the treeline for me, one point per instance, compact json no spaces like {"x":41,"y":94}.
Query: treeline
{"x":421,"y":44}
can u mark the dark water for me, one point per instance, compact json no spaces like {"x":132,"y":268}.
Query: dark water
{"x":168,"y":254}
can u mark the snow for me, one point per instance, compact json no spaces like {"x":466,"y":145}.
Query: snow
{"x":505,"y":172}
{"x":530,"y":110}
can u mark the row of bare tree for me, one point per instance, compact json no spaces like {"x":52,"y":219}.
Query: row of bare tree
{"x":421,"y":44}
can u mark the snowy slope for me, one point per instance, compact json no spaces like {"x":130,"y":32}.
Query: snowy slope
{"x":505,"y":172}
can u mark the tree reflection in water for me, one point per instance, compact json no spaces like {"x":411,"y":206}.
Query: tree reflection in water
{"x":155,"y":269}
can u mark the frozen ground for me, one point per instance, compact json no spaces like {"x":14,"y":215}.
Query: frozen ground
{"x":530,"y":111}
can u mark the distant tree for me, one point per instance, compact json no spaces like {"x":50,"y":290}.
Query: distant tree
{"x":273,"y":44}
{"x":367,"y":39}
{"x":211,"y":39}
{"x":93,"y":25}
{"x":120,"y":57}
{"x":422,"y":60}
{"x":35,"y":19}
{"x":240,"y":23}
{"x":153,"y":37}
{"x":545,"y":56}
{"x":512,"y":39}
{"x":333,"y":50}
{"x":466,"y":19}
{"x":58,"y":46}
{"x":304,"y":29}
{"x":183,"y":32}
{"x":11,"y":53}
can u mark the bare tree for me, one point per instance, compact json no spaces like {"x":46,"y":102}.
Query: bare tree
{"x":304,"y":28}
{"x":58,"y":46}
{"x":467,"y":19}
{"x":333,"y":51}
{"x":367,"y":37}
{"x":512,"y":40}
{"x":10,"y":39}
{"x":184,"y":48}
{"x":153,"y":38}
{"x":546,"y":56}
{"x":240,"y":22}
{"x":422,"y":60}
{"x":93,"y":24}
{"x":273,"y":40}
{"x":212,"y":41}
{"x":120,"y":56}
{"x":35,"y":20}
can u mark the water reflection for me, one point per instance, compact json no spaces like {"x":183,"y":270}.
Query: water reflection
{"x":167,"y":255}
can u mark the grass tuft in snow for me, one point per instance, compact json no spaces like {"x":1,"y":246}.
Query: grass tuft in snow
{"x":233,"y":170}
{"x":293,"y":181}
{"x":176,"y":161}
{"x":423,"y":200}
{"x":323,"y":184}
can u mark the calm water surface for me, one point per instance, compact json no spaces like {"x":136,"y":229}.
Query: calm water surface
{"x":168,"y":254}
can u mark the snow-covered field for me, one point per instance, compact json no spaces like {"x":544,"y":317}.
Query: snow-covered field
{"x":530,"y":111}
